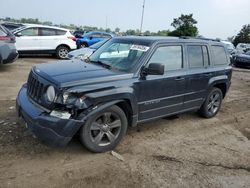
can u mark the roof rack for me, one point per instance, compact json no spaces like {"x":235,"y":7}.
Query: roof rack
{"x":201,"y":38}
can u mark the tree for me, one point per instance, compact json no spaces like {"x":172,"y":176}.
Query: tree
{"x":243,"y":36}
{"x":184,"y":26}
{"x":117,"y":30}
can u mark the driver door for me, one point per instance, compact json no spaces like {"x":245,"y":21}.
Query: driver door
{"x":162,"y":95}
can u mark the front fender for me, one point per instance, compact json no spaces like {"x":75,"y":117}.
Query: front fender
{"x":115,"y":94}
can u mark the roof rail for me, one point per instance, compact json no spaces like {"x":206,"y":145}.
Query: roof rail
{"x":201,"y":38}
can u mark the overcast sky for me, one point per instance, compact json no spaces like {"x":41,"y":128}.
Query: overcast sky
{"x":216,"y":18}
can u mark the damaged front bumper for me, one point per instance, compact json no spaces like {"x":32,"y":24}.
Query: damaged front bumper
{"x":50,"y":129}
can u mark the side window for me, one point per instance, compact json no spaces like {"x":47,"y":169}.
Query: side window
{"x":197,"y":56}
{"x":47,"y":32}
{"x":169,"y":56}
{"x":29,"y":32}
{"x":60,"y":32}
{"x":220,"y":57}
{"x":106,"y":36}
{"x":96,"y":35}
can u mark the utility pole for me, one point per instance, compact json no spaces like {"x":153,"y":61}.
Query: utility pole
{"x":106,"y":23}
{"x":142,"y":16}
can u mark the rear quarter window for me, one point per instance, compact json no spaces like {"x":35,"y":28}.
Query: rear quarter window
{"x":220,"y":56}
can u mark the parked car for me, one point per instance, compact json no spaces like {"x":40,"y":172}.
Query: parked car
{"x":79,"y":33}
{"x":12,"y":26}
{"x":91,"y":38}
{"x":242,"y":47}
{"x":242,"y":60}
{"x":8,"y":52}
{"x":100,"y":98}
{"x":84,"y":53}
{"x":39,"y":39}
{"x":230,"y":47}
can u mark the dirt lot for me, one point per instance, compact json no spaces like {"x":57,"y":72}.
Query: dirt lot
{"x":183,"y":152}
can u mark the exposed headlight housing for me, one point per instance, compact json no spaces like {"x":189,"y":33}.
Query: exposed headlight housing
{"x":72,"y":99}
{"x":50,"y":94}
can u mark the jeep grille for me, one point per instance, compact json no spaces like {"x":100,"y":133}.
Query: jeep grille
{"x":35,"y":88}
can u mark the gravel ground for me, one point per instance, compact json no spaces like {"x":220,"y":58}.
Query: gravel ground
{"x":186,"y":151}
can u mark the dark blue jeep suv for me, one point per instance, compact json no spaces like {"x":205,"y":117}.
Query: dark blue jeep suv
{"x":127,"y":81}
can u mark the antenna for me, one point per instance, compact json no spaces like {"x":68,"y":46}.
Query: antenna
{"x":142,"y":16}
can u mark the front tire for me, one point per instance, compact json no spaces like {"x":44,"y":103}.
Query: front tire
{"x":62,"y":52}
{"x":212,"y":104}
{"x":104,"y":130}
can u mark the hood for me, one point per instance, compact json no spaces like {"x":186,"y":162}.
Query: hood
{"x":72,"y":73}
{"x":83,"y":51}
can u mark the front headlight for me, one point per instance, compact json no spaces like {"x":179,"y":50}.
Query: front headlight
{"x":74,"y":99}
{"x":50,"y":94}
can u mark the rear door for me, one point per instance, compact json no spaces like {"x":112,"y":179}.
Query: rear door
{"x":198,"y":75}
{"x":50,"y":38}
{"x":27,"y":39}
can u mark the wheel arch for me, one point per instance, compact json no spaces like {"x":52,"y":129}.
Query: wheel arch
{"x":64,"y":45}
{"x":222,"y":82}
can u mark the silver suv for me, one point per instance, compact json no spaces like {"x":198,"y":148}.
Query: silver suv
{"x":8,"y":52}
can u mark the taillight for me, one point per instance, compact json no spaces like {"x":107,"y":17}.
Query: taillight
{"x":72,"y":38}
{"x":4,"y":38}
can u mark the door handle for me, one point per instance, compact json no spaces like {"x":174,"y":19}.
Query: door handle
{"x":179,"y":78}
{"x":208,"y":74}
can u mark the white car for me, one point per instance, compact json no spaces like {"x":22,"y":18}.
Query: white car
{"x":39,"y":39}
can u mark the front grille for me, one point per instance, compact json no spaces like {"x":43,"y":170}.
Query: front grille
{"x":35,"y":88}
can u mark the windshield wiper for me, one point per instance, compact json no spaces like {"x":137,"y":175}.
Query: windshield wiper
{"x":99,"y":63}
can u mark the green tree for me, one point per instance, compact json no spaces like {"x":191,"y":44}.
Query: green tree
{"x":243,"y":36}
{"x":117,"y":30}
{"x":184,"y":26}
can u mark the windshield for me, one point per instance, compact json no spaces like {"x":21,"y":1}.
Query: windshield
{"x":119,"y":55}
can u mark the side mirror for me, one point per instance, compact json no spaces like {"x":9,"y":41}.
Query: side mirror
{"x":18,"y":34}
{"x":154,"y":69}
{"x":90,"y":38}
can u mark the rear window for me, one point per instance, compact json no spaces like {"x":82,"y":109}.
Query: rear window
{"x":220,"y":56}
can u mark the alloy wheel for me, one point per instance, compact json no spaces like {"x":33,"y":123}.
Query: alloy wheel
{"x":105,"y":129}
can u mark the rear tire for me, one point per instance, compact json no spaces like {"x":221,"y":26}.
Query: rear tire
{"x":104,"y":130}
{"x":62,"y":52}
{"x":212,"y":104}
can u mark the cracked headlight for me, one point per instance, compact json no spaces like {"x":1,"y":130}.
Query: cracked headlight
{"x":50,"y":94}
{"x":73,"y":99}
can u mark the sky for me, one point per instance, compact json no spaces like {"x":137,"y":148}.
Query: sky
{"x":216,"y":18}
